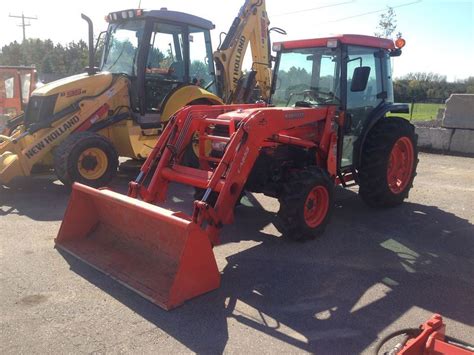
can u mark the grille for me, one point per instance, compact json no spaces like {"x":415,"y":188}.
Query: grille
{"x":40,"y":109}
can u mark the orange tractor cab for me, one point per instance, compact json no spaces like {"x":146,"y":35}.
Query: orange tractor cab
{"x":328,"y":125}
{"x":16,"y":85}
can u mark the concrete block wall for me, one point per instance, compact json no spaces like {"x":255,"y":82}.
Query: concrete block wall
{"x":457,"y":132}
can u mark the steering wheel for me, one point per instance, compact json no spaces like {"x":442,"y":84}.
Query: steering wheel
{"x":314,"y":95}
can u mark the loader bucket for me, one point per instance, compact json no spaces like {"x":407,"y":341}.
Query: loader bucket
{"x":160,"y":254}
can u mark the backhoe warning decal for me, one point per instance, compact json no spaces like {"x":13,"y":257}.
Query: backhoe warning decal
{"x":51,"y":138}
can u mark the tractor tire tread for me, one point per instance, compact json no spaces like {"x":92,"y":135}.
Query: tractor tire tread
{"x":373,"y":186}
{"x":290,"y":218}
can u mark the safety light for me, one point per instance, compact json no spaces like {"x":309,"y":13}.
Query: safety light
{"x":139,"y":12}
{"x":332,"y":43}
{"x":124,"y":14}
{"x":400,"y":43}
{"x":276,"y":47}
{"x":131,"y":13}
{"x":115,"y":16}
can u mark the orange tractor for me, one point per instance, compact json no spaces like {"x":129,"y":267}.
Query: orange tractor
{"x":328,"y":125}
{"x":16,"y":85}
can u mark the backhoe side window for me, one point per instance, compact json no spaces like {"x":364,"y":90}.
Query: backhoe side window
{"x":201,"y":70}
{"x":166,"y":55}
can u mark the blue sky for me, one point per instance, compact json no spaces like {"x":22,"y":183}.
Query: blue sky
{"x":439,"y":33}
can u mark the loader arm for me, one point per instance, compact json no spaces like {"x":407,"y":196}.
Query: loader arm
{"x":250,"y":26}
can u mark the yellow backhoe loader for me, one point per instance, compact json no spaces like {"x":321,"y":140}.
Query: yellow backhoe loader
{"x":153,"y":63}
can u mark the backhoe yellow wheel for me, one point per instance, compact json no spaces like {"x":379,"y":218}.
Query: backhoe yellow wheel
{"x":92,"y":163}
{"x":86,"y":157}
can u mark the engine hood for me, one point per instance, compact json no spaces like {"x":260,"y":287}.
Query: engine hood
{"x":72,"y":85}
{"x":73,"y":88}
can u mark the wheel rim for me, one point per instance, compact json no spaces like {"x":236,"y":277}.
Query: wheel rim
{"x":400,"y":165}
{"x":92,"y":163}
{"x":316,"y":206}
{"x":195,"y":143}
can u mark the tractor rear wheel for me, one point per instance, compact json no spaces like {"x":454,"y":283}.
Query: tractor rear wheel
{"x":388,"y":163}
{"x":306,"y":204}
{"x":86,"y":157}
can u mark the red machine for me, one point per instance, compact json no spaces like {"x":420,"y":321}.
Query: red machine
{"x":429,"y":339}
{"x":16,"y":85}
{"x":331,"y":129}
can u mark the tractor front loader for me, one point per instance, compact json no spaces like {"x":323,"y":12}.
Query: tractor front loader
{"x":330,"y":127}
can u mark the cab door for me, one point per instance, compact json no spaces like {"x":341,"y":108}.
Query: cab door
{"x":166,"y":64}
{"x":361,"y":103}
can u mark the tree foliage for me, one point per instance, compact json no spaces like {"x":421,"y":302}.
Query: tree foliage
{"x":419,"y":87}
{"x":48,"y":57}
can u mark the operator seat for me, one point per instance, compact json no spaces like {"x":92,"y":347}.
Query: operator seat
{"x":176,"y":70}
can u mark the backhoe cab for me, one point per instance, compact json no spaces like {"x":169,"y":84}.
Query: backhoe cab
{"x":159,"y":51}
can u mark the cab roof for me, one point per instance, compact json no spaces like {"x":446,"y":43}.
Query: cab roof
{"x":358,"y":40}
{"x":162,"y":14}
{"x":176,"y":16}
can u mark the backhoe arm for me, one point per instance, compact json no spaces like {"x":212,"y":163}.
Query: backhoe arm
{"x":250,"y":26}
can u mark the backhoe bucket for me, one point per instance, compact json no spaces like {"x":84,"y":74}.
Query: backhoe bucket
{"x":160,"y":254}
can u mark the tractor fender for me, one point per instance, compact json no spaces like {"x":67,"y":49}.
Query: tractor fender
{"x":185,"y":95}
{"x":377,"y":114}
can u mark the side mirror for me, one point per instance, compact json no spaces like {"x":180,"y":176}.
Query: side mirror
{"x":360,"y":79}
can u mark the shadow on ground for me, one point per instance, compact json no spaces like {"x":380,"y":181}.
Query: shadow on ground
{"x":332,"y":295}
{"x":34,"y":196}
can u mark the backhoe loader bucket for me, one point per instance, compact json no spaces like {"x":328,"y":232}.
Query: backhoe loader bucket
{"x":160,"y":254}
{"x":9,"y":161}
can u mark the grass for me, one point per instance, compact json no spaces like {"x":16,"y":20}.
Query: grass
{"x":421,"y":112}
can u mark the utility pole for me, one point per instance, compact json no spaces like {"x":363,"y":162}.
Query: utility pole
{"x":23,"y":24}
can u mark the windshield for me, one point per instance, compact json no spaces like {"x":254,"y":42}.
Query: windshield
{"x":310,"y":75}
{"x":120,"y":55}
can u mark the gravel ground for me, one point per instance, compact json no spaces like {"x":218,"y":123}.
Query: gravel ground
{"x":373,"y":272}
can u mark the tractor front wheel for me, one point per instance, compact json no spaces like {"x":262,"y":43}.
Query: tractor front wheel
{"x":306,"y":204}
{"x":388,"y":163}
{"x":86,"y":157}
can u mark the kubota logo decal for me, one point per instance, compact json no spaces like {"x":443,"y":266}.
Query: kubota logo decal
{"x":294,"y":115}
{"x":50,"y":138}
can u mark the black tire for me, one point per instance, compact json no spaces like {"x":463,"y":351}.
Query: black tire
{"x":293,"y":202}
{"x":68,"y":153}
{"x":374,"y":186}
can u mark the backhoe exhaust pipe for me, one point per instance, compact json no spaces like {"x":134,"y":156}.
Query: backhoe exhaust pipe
{"x":91,"y":69}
